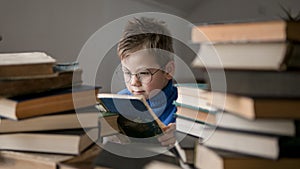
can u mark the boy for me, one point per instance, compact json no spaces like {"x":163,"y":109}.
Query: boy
{"x":146,"y":54}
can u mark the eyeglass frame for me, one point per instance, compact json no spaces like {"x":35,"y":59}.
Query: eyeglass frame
{"x":137,"y":75}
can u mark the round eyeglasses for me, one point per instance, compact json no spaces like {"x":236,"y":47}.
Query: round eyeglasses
{"x":144,"y":76}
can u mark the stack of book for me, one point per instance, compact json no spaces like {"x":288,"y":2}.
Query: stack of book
{"x":263,"y":45}
{"x":47,"y":115}
{"x":252,"y":120}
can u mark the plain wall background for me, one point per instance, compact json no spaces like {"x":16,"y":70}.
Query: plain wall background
{"x":61,"y":27}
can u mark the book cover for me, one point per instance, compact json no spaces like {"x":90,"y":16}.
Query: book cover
{"x":252,"y":31}
{"x":29,"y":160}
{"x":49,"y":102}
{"x":257,"y":107}
{"x":26,"y":64}
{"x":242,"y":142}
{"x":60,"y":141}
{"x":276,"y":56}
{"x":188,"y":143}
{"x":228,"y":160}
{"x":108,"y":123}
{"x":73,"y":119}
{"x":83,"y":161}
{"x":14,"y":87}
{"x":254,"y":144}
{"x":116,"y":156}
{"x":284,"y":84}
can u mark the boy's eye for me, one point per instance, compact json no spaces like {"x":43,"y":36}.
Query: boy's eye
{"x":144,"y":73}
{"x":127,"y":73}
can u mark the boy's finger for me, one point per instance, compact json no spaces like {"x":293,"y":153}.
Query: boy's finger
{"x":169,"y":142}
{"x":165,"y":137}
{"x":170,"y":127}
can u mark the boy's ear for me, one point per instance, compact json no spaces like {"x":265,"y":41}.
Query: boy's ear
{"x":170,"y":70}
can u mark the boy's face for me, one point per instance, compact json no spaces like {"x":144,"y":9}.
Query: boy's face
{"x":144,"y":65}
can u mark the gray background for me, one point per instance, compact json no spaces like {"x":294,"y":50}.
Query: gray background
{"x":61,"y":27}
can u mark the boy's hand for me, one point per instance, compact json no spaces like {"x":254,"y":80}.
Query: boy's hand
{"x":168,"y":138}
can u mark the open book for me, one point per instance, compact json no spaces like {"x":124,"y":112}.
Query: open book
{"x":136,"y":119}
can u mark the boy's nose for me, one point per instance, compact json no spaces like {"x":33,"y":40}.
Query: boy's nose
{"x":134,"y":81}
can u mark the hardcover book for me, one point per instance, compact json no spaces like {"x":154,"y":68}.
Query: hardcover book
{"x":254,"y":144}
{"x":73,"y":119}
{"x":60,"y":142}
{"x":272,"y":84}
{"x":15,"y":86}
{"x":49,"y":102}
{"x":120,"y":156}
{"x":252,"y":31}
{"x":230,"y":160}
{"x":29,"y":160}
{"x":136,"y":118}
{"x":108,"y":123}
{"x":256,"y":107}
{"x":26,"y":64}
{"x":274,"y":56}
{"x":82,"y":161}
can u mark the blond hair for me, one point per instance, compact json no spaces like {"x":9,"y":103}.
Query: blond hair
{"x":150,"y":34}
